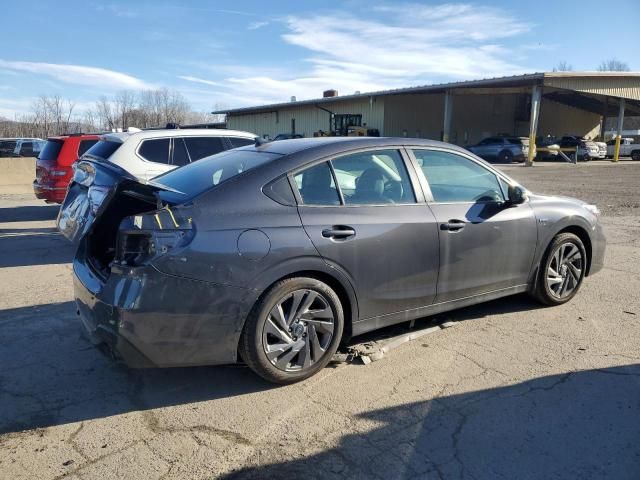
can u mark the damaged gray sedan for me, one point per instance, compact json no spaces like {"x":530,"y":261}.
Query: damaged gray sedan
{"x":276,"y":253}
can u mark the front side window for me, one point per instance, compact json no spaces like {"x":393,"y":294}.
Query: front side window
{"x":156,"y":150}
{"x":316,"y":185}
{"x":200,"y":147}
{"x":240,"y":142}
{"x":373,"y":178}
{"x":454,"y":178}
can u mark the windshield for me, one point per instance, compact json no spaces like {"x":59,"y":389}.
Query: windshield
{"x":197,"y":177}
{"x":103,"y":149}
{"x":51,"y":150}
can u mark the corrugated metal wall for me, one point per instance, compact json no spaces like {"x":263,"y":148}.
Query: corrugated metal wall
{"x":622,"y":87}
{"x":418,"y":115}
{"x":308,"y":118}
{"x":557,"y":119}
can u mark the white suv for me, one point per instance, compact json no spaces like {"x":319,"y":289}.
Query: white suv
{"x":148,"y":153}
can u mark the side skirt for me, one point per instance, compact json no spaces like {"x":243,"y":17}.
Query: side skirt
{"x":373,"y":323}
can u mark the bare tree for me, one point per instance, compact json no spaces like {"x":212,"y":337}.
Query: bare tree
{"x":563,"y":66}
{"x":105,"y":113}
{"x":613,"y":65}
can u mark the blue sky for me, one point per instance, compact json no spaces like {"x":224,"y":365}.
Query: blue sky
{"x":251,"y":52}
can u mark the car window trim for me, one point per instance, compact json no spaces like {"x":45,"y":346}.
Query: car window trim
{"x":427,"y":187}
{"x":418,"y":192}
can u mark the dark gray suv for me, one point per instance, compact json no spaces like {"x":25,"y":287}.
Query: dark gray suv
{"x":276,"y":253}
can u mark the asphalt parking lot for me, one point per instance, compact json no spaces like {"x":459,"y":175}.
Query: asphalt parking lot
{"x":513,"y":390}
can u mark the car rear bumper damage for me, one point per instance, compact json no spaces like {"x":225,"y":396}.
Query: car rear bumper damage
{"x":150,"y":319}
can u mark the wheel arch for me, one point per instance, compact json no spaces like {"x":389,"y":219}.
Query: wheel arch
{"x":323,"y":272}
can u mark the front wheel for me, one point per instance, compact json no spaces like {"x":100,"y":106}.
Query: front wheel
{"x":505,"y":156}
{"x":635,"y":155}
{"x":561,"y":271}
{"x":293,"y":330}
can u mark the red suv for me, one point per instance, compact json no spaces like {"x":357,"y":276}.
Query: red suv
{"x":53,"y":167}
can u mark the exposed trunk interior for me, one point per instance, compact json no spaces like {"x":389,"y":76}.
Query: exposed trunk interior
{"x":129,"y":199}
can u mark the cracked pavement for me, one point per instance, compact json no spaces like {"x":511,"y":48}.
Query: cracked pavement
{"x":514,"y":390}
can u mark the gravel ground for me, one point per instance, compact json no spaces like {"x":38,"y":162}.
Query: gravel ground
{"x":513,"y":390}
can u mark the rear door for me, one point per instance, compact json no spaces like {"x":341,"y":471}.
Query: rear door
{"x":156,"y":154}
{"x":375,"y":227}
{"x":485,"y":243}
{"x":205,"y":146}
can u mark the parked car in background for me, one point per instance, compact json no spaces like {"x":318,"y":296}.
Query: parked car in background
{"x":7,"y":146}
{"x":28,"y":147}
{"x":550,"y":143}
{"x":54,"y":164}
{"x":502,"y":149}
{"x":627,"y":148}
{"x":148,"y":153}
{"x":587,"y":149}
{"x":602,"y":149}
{"x":263,"y":253}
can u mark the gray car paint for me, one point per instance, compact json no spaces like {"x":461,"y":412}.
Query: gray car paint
{"x":189,"y":306}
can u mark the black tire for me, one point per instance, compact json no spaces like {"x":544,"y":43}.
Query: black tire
{"x":251,"y":347}
{"x":541,"y":290}
{"x":635,"y":155}
{"x":505,"y":156}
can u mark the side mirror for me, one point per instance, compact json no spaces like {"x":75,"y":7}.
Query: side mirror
{"x":517,"y":195}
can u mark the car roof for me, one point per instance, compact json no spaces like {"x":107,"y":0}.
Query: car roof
{"x":176,"y":132}
{"x":331,"y":145}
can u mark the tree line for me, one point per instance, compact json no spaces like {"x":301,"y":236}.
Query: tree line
{"x":611,"y":65}
{"x":54,"y":115}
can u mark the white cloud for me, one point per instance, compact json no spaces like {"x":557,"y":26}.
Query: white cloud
{"x":79,"y":74}
{"x":189,"y":78}
{"x":257,"y":25}
{"x":400,"y":45}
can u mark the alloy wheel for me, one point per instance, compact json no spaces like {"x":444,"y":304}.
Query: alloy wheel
{"x":564,"y":272}
{"x":298,"y":330}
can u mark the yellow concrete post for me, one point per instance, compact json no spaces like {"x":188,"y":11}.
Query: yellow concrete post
{"x":616,"y":152}
{"x":536,"y":95}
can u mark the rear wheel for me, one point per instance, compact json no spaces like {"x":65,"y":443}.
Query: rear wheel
{"x":293,"y":330}
{"x":561,"y":271}
{"x":635,"y":155}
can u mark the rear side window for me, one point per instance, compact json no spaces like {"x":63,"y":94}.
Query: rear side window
{"x":316,"y":185}
{"x":103,"y":149}
{"x":373,"y":178}
{"x":197,"y":177}
{"x":85,"y":145}
{"x":51,"y":150}
{"x":180,"y":156}
{"x":156,"y":150}
{"x":240,"y":142}
{"x":200,"y":147}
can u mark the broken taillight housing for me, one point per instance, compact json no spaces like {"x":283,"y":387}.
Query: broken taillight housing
{"x":139,"y":247}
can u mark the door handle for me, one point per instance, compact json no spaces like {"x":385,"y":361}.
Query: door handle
{"x":453,"y":225}
{"x":338,"y":232}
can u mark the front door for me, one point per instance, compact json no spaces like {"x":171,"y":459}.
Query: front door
{"x":373,"y":228}
{"x":485,"y":244}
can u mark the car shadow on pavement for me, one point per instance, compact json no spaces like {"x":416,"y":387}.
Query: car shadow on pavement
{"x":583,"y":424}
{"x":34,"y":246}
{"x":511,"y":304}
{"x":31,"y":213}
{"x":51,"y":375}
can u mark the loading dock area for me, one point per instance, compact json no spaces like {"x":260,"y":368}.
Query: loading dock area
{"x":547,"y":104}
